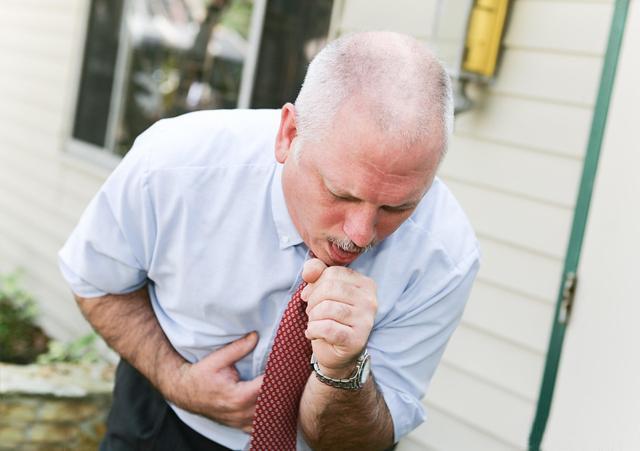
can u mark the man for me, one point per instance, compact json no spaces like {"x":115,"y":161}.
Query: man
{"x":186,"y":259}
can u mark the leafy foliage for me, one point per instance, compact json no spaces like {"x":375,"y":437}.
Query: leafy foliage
{"x":21,"y":340}
{"x":81,"y":350}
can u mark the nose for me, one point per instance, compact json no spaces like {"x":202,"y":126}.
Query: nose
{"x":360,"y":224}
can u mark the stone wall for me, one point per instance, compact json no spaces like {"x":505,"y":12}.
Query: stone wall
{"x":53,"y":407}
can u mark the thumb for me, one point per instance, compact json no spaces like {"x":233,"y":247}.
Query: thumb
{"x":236,"y":350}
{"x":312,"y":270}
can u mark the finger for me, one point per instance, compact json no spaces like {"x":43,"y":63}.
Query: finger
{"x":239,"y":419}
{"x":334,"y":290}
{"x":246,"y":392}
{"x":312,"y":270}
{"x":333,"y":310}
{"x":234,"y":351}
{"x":248,"y":424}
{"x":330,"y":331}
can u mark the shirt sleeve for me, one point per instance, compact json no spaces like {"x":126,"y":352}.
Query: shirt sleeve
{"x":110,"y":250}
{"x":406,"y":348}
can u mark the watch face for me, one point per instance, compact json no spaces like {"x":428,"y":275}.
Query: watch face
{"x":366,"y":370}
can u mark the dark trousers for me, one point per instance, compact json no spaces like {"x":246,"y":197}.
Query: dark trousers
{"x":140,"y":419}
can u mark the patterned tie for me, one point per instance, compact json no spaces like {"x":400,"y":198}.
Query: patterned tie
{"x":275,"y":422}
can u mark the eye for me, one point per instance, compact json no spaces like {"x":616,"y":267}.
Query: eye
{"x":345,"y":198}
{"x":396,"y":210}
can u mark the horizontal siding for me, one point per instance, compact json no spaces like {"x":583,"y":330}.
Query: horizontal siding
{"x":42,"y":191}
{"x":46,"y":229}
{"x":21,"y":247}
{"x":548,"y":127}
{"x":555,"y":77}
{"x":23,"y":17}
{"x":572,"y":27}
{"x":33,"y":115}
{"x":448,"y":433}
{"x":490,"y":358}
{"x":528,"y":224}
{"x":519,"y":270}
{"x":514,"y":163}
{"x":513,"y":170}
{"x":52,"y":175}
{"x":407,"y":16}
{"x":51,"y":43}
{"x":68,"y":6}
{"x":30,"y":90}
{"x":512,"y":316}
{"x":488,"y":407}
{"x":40,"y":69}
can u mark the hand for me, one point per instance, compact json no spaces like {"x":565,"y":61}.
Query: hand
{"x":212,"y":386}
{"x":341,"y":305}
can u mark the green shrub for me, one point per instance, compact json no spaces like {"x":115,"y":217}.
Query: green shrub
{"x":21,"y":340}
{"x":80,"y":350}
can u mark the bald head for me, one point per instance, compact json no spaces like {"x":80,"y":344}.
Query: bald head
{"x":392,"y":78}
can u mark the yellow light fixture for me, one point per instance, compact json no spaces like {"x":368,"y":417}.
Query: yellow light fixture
{"x":484,"y":37}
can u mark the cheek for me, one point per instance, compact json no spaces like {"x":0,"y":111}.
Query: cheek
{"x":328,"y":216}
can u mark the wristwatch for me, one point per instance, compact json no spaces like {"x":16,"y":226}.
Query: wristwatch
{"x":355,"y":382}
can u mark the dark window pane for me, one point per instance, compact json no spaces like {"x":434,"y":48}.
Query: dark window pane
{"x":100,"y":53}
{"x":294,"y":31}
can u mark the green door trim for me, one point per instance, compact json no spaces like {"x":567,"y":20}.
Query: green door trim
{"x":572,"y":258}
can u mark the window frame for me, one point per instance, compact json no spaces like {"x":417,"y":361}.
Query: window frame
{"x":105,"y":156}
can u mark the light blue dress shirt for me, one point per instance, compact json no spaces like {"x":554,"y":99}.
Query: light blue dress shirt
{"x":196,"y":209}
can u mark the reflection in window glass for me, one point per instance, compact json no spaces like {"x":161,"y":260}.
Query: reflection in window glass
{"x":150,"y":59}
{"x":183,"y":55}
{"x":294,"y":32}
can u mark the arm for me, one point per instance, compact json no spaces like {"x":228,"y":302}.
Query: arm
{"x":339,"y":419}
{"x":341,"y":307}
{"x":210,"y":387}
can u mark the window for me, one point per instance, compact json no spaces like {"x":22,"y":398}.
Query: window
{"x":149,"y":59}
{"x":294,"y":32}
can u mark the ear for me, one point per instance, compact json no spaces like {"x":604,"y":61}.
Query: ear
{"x":286,"y":133}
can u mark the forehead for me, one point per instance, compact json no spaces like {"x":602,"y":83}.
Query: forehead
{"x":359,"y":159}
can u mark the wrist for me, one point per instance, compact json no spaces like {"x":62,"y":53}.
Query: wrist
{"x":354,"y":380}
{"x":173,"y":385}
{"x":343,"y":372}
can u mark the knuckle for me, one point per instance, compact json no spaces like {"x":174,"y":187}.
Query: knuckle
{"x":333,"y":271}
{"x":322,"y":329}
{"x":341,"y":335}
{"x":343,"y":312}
{"x":374,"y":304}
{"x":349,"y":290}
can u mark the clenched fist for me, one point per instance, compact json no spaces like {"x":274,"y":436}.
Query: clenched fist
{"x":341,"y":305}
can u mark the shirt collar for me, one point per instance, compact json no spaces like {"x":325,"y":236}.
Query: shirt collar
{"x":287,"y":233}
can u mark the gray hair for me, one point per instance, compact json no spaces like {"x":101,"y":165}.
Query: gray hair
{"x":405,"y":88}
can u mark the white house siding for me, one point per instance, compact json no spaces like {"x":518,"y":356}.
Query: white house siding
{"x":42,"y":189}
{"x":515,"y":161}
{"x":597,"y":402}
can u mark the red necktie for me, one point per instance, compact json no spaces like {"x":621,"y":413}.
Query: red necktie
{"x":275,"y":422}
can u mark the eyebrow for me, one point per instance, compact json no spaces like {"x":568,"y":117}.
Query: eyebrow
{"x":344,"y":195}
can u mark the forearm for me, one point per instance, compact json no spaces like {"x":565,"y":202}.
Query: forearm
{"x":129,"y":326}
{"x":335,"y":419}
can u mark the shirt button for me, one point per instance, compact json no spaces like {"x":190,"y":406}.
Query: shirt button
{"x":284,"y":239}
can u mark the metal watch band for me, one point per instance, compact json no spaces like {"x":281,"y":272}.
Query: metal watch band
{"x":351,"y":383}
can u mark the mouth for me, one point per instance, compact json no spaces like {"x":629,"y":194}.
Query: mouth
{"x":341,"y":256}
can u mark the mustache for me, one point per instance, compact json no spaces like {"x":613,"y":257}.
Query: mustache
{"x":349,"y":246}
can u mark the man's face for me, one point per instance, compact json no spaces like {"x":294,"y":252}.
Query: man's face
{"x":354,"y":188}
